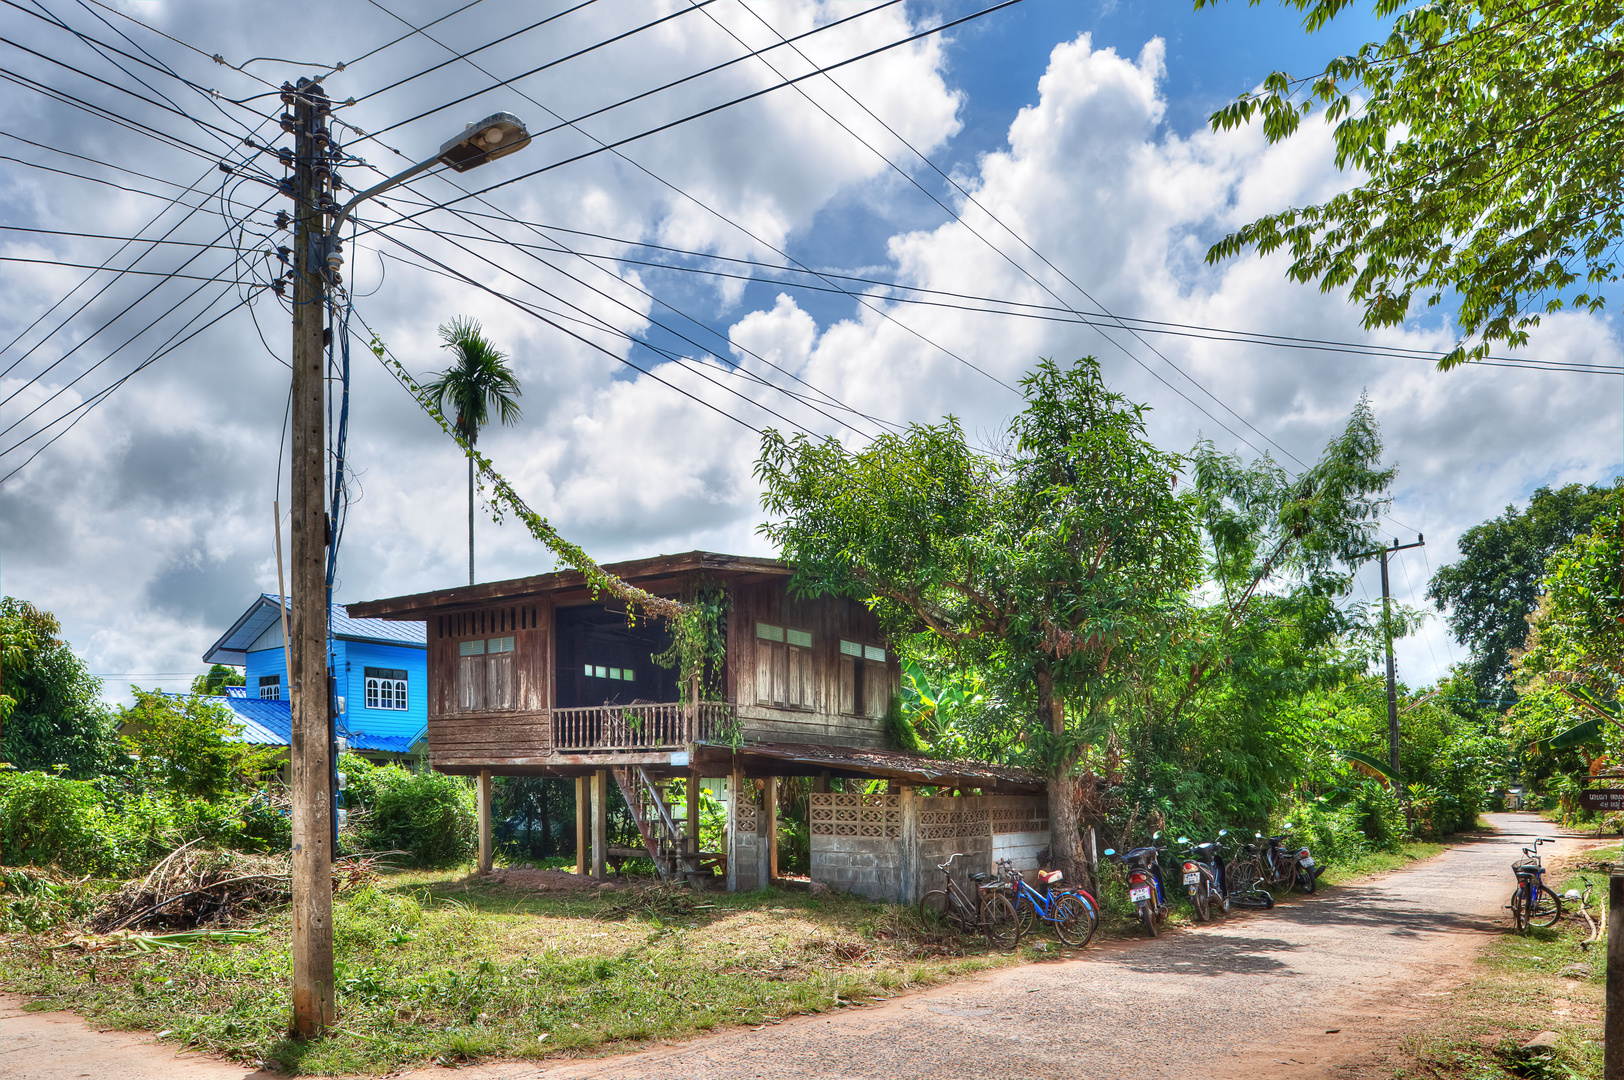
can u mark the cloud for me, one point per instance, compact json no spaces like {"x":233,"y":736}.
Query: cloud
{"x":146,"y":527}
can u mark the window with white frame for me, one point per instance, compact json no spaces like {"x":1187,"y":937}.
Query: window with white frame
{"x":385,"y":688}
{"x":270,"y":688}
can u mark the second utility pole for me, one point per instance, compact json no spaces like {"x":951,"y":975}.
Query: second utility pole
{"x":1387,"y":636}
{"x":313,"y":1001}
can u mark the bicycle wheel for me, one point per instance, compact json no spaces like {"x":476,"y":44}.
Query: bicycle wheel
{"x":1519,"y":914}
{"x":998,"y":921}
{"x":1203,"y":903}
{"x":1026,"y":913}
{"x":1072,"y":922}
{"x":1546,"y":909}
{"x":937,"y":909}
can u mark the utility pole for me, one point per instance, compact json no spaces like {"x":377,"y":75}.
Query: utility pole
{"x":1387,"y":636}
{"x":310,"y":750}
{"x":314,"y":263}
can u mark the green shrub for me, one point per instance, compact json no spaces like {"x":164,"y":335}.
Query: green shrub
{"x":428,"y":815}
{"x":48,"y":820}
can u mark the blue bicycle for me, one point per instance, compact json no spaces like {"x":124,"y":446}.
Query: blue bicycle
{"x":1533,"y":904}
{"x":1072,"y":916}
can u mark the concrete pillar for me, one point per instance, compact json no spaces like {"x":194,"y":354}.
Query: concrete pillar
{"x":908,"y":848}
{"x":600,"y":822}
{"x":820,"y":786}
{"x":483,"y":790}
{"x":583,"y":824}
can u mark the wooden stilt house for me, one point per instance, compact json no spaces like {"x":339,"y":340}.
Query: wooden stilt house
{"x":538,"y":676}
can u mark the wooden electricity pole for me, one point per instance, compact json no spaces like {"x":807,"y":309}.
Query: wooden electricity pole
{"x":313,"y":1003}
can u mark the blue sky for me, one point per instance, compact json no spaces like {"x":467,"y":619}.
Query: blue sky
{"x":147,"y":526}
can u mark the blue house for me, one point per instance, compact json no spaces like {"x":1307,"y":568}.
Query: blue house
{"x":381,"y":668}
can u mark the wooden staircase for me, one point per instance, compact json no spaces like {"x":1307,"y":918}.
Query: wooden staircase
{"x":664,"y":835}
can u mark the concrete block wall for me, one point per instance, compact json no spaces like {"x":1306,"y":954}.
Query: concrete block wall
{"x":866,"y":866}
{"x":888,"y":847}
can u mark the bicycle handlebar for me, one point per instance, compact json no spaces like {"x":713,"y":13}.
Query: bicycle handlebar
{"x":956,"y":855}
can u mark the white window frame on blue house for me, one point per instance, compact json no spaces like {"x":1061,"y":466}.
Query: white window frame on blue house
{"x":386,"y":688}
{"x":270,"y":688}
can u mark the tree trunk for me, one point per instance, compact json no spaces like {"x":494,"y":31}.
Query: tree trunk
{"x":1064,"y":837}
{"x":470,"y":515}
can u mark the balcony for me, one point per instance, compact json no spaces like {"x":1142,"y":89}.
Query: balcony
{"x":650,"y":726}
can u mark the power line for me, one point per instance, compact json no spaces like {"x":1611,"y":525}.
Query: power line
{"x":414,"y":31}
{"x":604,"y":147}
{"x":1017,"y":308}
{"x":103,"y":395}
{"x":613,"y":147}
{"x":676,"y":358}
{"x":578,"y":337}
{"x":86,"y":340}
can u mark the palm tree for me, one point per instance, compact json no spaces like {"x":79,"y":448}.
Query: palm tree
{"x":478,"y":380}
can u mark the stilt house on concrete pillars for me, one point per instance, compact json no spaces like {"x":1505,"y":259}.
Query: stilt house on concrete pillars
{"x":539,"y":677}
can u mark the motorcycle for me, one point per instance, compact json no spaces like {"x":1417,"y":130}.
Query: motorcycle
{"x":1144,"y":883}
{"x":1204,"y":876}
{"x":1282,"y":865}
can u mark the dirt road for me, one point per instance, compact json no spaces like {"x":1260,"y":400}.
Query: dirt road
{"x":1317,"y":984}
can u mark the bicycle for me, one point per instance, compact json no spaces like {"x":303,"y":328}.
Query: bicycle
{"x":1071,"y":911}
{"x":993,"y":913}
{"x":1532,"y":902}
{"x":1245,"y":874}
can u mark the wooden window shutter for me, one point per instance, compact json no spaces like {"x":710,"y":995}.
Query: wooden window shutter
{"x":499,"y":681}
{"x":470,"y":683}
{"x":848,"y":685}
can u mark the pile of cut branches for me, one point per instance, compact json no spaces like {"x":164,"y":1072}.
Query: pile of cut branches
{"x":656,"y":900}
{"x":196,"y":888}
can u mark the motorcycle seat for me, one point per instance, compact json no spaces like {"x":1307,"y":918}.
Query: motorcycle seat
{"x":979,"y":878}
{"x":1049,"y":877}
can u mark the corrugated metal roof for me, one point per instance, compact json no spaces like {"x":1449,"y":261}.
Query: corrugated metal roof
{"x":263,"y":613}
{"x":270,"y":723}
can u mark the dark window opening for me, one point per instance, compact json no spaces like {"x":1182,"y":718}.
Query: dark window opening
{"x":601,"y":660}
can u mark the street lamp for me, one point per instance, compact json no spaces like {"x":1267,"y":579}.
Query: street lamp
{"x":496,"y":136}
{"x":315,"y":268}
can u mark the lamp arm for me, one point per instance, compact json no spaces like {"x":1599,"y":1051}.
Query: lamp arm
{"x":378,"y":189}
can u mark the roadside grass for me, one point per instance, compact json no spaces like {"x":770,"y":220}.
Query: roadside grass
{"x":435,"y":968}
{"x":1342,"y":872}
{"x":1526,"y":984}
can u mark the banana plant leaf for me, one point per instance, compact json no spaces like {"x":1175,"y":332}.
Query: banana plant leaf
{"x":1587,"y":732}
{"x":1374,"y":767}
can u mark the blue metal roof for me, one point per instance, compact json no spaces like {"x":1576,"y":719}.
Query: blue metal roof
{"x":270,"y":723}
{"x":263,"y":613}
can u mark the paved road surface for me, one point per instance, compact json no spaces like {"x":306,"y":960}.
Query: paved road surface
{"x":1308,"y":989}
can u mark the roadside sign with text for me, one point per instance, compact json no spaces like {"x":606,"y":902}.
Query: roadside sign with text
{"x":1602,"y":800}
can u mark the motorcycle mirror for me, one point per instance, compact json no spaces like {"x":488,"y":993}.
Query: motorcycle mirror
{"x":1157,"y":835}
{"x":1110,"y":851}
{"x":1258,"y":835}
{"x":1287,"y":828}
{"x":1223,"y":832}
{"x":1184,"y":839}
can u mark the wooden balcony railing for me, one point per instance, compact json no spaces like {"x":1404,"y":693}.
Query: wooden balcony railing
{"x":662,"y":726}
